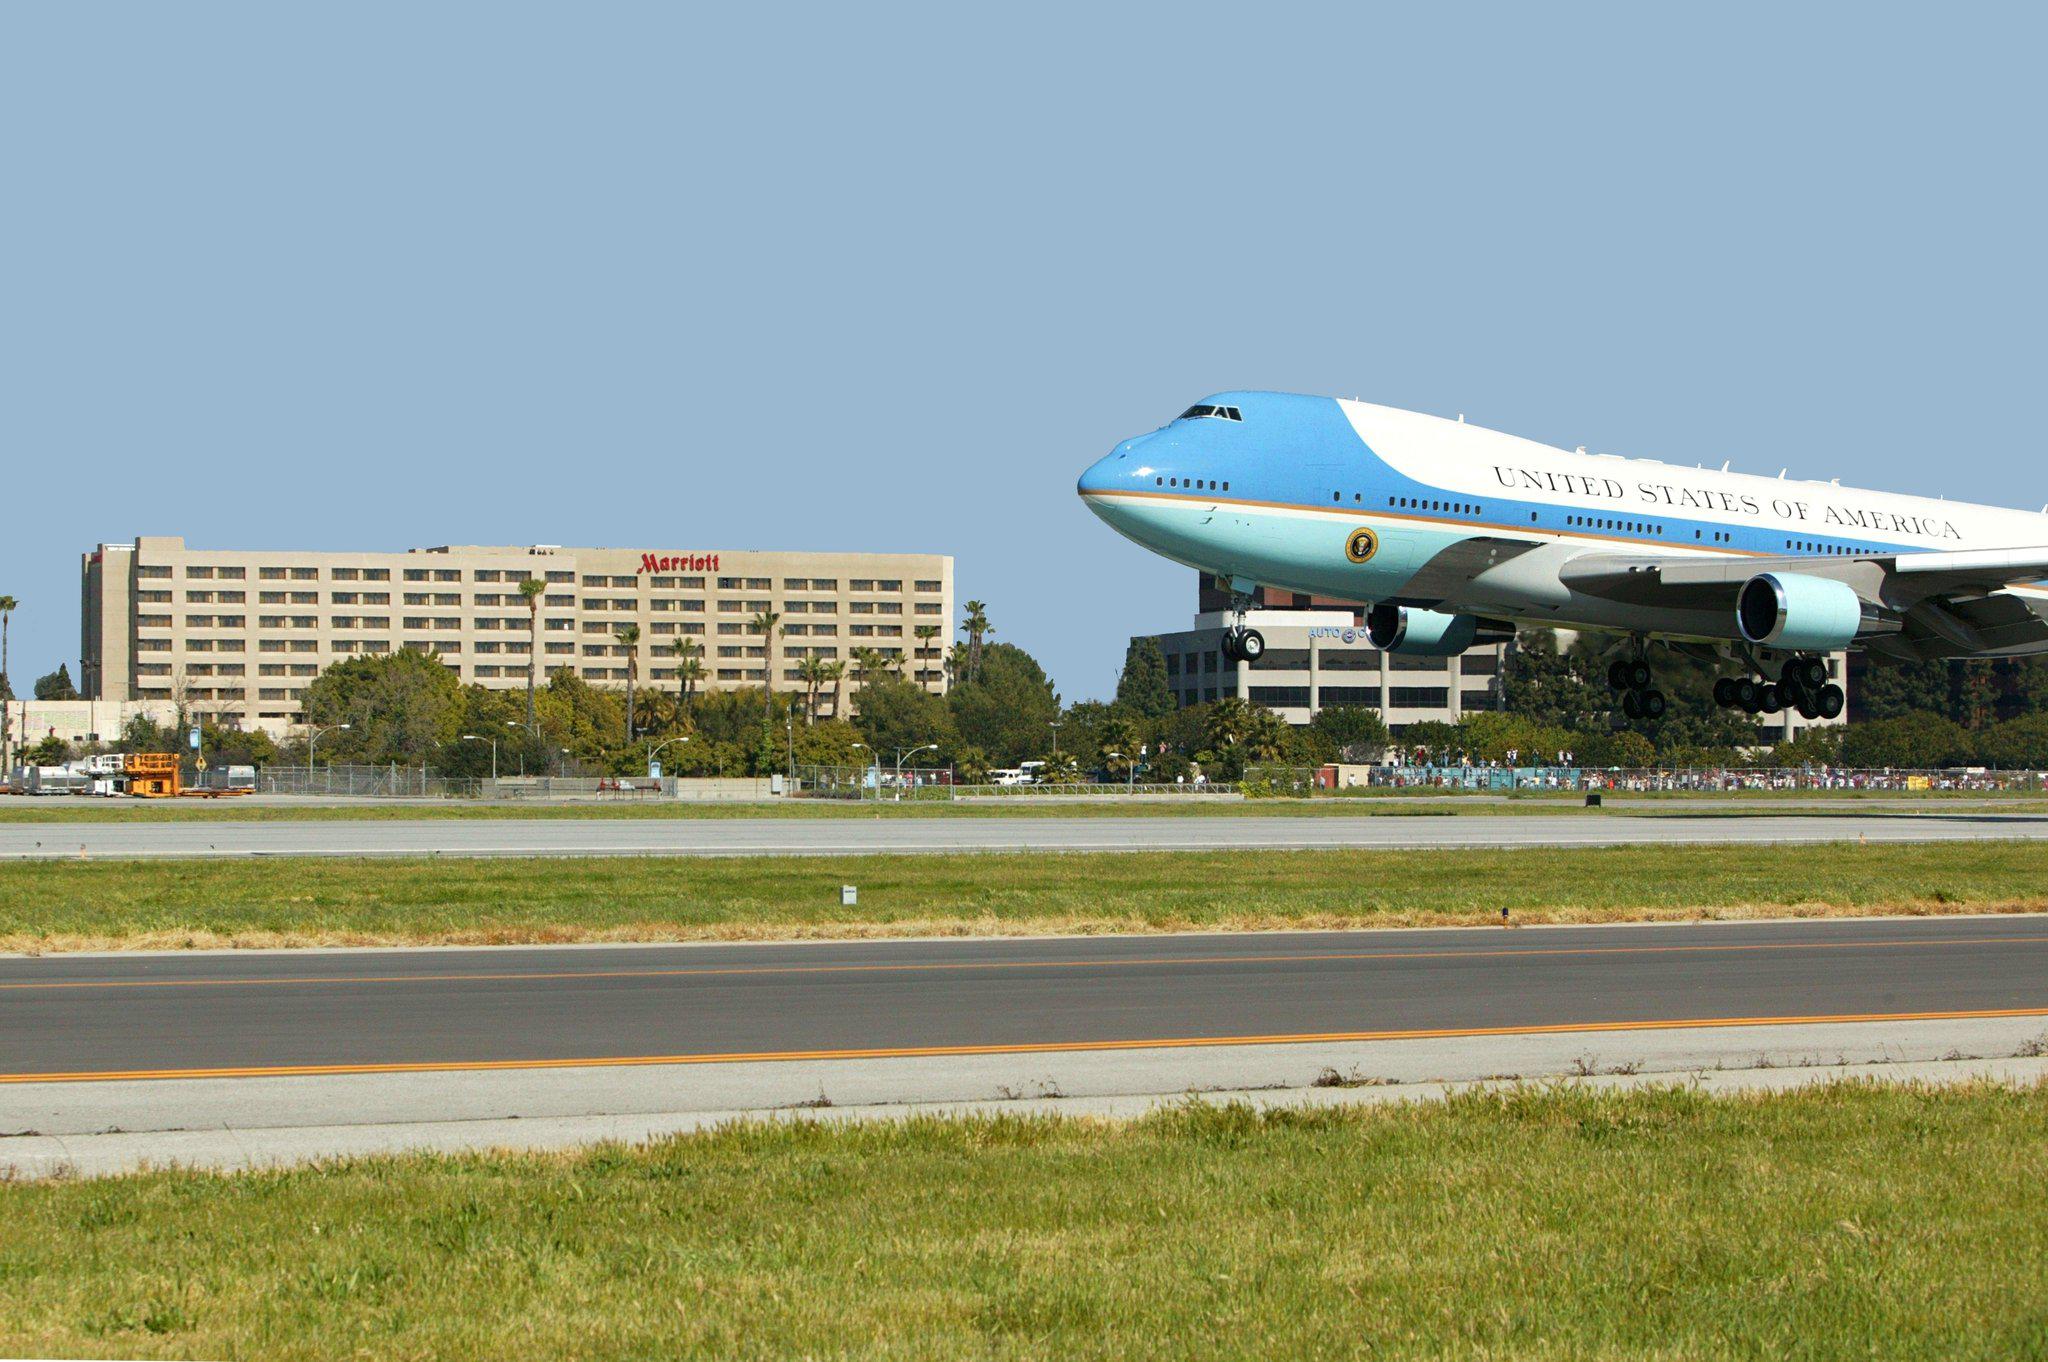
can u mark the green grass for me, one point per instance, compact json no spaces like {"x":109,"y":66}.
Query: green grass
{"x":1377,"y":803}
{"x":55,"y":905}
{"x":1847,"y":1221}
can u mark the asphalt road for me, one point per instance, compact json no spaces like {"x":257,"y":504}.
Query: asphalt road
{"x":246,"y":1014}
{"x":854,"y":836}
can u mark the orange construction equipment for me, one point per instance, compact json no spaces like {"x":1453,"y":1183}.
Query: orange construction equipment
{"x":152,"y":775}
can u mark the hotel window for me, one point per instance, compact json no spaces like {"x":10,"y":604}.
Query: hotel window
{"x":927,"y":586}
{"x":888,"y":585}
{"x":824,"y":583}
{"x":416,"y":574}
{"x":730,"y":629}
{"x":796,"y":584}
{"x":271,"y":574}
{"x":305,"y":598}
{"x":447,"y":575}
{"x":305,"y":574}
{"x":346,"y":574}
{"x":376,"y":574}
{"x":561,"y":578}
{"x":152,"y":572}
{"x":199,"y":572}
{"x":861,"y":584}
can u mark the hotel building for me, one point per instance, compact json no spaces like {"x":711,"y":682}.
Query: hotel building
{"x":238,"y":635}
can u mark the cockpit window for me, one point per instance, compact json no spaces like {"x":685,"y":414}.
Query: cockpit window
{"x":1220,"y":413}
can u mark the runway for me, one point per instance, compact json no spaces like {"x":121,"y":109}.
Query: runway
{"x":911,"y":835}
{"x":75,"y":1018}
{"x":226,"y":1058}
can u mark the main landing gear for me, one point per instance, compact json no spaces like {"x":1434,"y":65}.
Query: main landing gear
{"x":1802,"y":686}
{"x":1639,"y":699}
{"x":1240,"y":643}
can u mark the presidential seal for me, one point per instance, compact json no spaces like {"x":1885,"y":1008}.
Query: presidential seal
{"x":1362,"y":545}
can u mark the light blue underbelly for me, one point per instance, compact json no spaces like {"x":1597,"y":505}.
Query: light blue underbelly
{"x":1293,"y":551}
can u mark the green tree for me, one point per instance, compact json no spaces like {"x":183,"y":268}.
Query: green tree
{"x":628,"y":636}
{"x":529,"y":590}
{"x":1892,"y":689}
{"x":1977,"y":686}
{"x":1563,"y":689}
{"x":689,"y":671}
{"x":1357,"y":732}
{"x":896,"y":715}
{"x":764,"y":624}
{"x":1117,"y":740}
{"x":56,"y":685}
{"x":401,"y":706}
{"x":1142,"y":688}
{"x":1911,"y":741}
{"x":926,"y":651}
{"x":8,"y":605}
{"x":975,"y":625}
{"x":2016,"y":745}
{"x":1008,"y":708}
{"x":814,"y":673}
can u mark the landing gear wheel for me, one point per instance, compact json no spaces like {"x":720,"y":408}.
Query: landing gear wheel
{"x":1228,"y":647}
{"x":1748,"y":695}
{"x":1770,"y":698}
{"x":1632,"y":703}
{"x":1651,"y":703}
{"x":1831,"y":701}
{"x":1638,"y":675}
{"x":1617,"y":675}
{"x":1724,"y":692}
{"x":1251,"y":645}
{"x":1812,"y":674}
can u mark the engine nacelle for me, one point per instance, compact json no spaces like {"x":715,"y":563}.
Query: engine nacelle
{"x":1798,"y":613}
{"x":1430,"y":633}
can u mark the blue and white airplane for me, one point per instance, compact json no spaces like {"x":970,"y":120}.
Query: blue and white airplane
{"x":1452,"y":535}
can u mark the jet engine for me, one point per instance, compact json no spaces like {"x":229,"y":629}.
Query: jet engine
{"x":1430,"y":633}
{"x":1798,"y":613}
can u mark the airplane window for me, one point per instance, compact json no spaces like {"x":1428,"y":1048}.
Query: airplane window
{"x":1220,"y":413}
{"x":1161,"y":482}
{"x":1336,"y":496}
{"x":1358,"y":496}
{"x":1226,"y":487}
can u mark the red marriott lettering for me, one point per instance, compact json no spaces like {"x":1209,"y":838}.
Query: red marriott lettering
{"x":679,"y":562}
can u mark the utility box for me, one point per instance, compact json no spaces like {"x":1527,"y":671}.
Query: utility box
{"x":849,"y":895}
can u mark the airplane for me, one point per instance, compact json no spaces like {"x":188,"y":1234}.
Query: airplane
{"x":1451,"y":535}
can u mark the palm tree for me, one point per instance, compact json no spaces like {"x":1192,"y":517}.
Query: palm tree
{"x":925,"y":634}
{"x":764,"y":623}
{"x":688,"y":669}
{"x":977,"y":628}
{"x":7,"y":606}
{"x":835,"y":672}
{"x":531,"y":589}
{"x":629,"y":636}
{"x":814,"y":674}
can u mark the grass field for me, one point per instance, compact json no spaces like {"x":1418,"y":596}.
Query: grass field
{"x":1847,"y":1221}
{"x":71,"y":905}
{"x":1351,"y":805}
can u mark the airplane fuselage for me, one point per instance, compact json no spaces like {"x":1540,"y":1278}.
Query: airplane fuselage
{"x":1371,"y":504}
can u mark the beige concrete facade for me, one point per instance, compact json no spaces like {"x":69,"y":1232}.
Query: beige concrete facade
{"x":239,"y":634}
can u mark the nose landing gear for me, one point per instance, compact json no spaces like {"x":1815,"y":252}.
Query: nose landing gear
{"x":1240,"y":642}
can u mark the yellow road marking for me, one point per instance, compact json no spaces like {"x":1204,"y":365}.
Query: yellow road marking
{"x":1035,"y":1048}
{"x":941,"y":966}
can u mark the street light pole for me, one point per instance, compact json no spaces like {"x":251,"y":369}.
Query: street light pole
{"x":313,"y":732}
{"x":475,"y":737}
{"x":900,"y":754}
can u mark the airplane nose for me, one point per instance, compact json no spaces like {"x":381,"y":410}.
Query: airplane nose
{"x":1106,"y":472}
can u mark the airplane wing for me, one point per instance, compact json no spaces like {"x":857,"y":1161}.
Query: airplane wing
{"x":1945,"y":604}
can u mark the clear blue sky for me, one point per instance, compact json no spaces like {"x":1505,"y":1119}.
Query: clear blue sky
{"x":374,"y":276}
